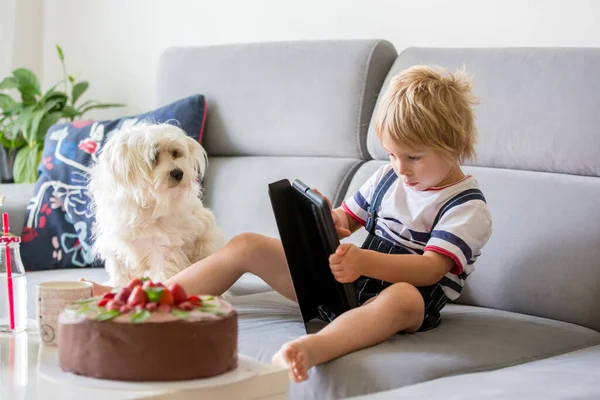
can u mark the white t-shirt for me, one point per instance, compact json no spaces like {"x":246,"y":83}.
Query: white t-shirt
{"x":407,"y":215}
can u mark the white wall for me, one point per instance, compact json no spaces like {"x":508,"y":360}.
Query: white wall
{"x":115,"y":44}
{"x":21,"y":32}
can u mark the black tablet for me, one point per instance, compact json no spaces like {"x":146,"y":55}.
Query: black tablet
{"x":309,"y":237}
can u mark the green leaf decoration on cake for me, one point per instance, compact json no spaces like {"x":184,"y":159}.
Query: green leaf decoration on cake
{"x":154,"y":293}
{"x":206,"y":298}
{"x":88,"y":300}
{"x":144,"y":278}
{"x":180,"y":313}
{"x":140,"y":316}
{"x":211,"y":311}
{"x":107,"y":315}
{"x":209,"y":305}
{"x":85,"y":309}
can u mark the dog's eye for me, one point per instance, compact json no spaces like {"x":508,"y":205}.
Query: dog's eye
{"x":175,"y":153}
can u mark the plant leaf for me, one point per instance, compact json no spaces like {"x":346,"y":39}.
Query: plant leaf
{"x":70,"y":112}
{"x":21,"y":124}
{"x":78,"y":89}
{"x":86,"y":109}
{"x":26,"y":162}
{"x":61,"y":55}
{"x":180,"y":313}
{"x":71,"y":79}
{"x":52,"y":93}
{"x":31,"y":133}
{"x":15,"y":143}
{"x":6,"y":102}
{"x":8,"y":83}
{"x":88,"y":102}
{"x":27,"y":82}
{"x":49,"y":119}
{"x":14,"y":110}
{"x":140,"y":316}
{"x":107,"y":315}
{"x":58,"y":100}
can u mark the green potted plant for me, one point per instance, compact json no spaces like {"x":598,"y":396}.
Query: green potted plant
{"x":24,"y":123}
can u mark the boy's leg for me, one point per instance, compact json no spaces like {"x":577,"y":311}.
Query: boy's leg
{"x":247,"y":252}
{"x":399,"y":307}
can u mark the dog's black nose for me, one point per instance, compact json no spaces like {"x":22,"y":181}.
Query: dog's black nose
{"x":177,"y":174}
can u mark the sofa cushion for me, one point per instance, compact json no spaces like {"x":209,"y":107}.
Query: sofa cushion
{"x":536,"y":112}
{"x":311,"y":98}
{"x":236,"y":188}
{"x":568,"y":376}
{"x":469,"y":339}
{"x":57,"y":230}
{"x":17,"y":195}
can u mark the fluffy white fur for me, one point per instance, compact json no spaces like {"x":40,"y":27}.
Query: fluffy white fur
{"x":149,"y":222}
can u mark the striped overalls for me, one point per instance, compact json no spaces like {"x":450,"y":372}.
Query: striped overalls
{"x":366,"y":288}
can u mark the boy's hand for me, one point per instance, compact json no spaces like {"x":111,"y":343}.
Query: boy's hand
{"x":341,"y":229}
{"x":345,"y":263}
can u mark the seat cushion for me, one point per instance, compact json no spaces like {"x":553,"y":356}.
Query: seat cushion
{"x":469,"y":339}
{"x":573,"y":375}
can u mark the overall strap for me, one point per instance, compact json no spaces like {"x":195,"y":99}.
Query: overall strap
{"x":382,"y":187}
{"x":461,"y":198}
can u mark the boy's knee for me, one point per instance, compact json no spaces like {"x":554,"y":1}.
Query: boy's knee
{"x":246,"y":242}
{"x":406,"y":303}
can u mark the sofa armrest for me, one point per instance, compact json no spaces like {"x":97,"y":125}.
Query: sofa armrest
{"x":17,"y":197}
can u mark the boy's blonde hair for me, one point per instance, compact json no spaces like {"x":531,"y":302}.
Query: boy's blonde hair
{"x":430,"y":107}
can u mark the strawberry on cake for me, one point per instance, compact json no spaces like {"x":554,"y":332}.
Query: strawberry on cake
{"x":148,"y":332}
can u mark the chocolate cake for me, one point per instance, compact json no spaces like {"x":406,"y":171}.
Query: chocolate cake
{"x":148,"y":332}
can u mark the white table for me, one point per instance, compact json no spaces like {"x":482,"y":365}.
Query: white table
{"x":24,"y":375}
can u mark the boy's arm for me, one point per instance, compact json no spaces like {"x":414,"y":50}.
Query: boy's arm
{"x":346,"y":221}
{"x":418,"y":270}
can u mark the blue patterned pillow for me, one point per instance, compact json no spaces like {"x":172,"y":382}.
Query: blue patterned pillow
{"x":58,"y":221}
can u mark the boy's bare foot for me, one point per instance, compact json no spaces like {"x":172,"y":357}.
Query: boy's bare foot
{"x":97,"y":289}
{"x":296,"y":356}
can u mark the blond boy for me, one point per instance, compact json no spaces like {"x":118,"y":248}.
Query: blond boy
{"x":427,"y":223}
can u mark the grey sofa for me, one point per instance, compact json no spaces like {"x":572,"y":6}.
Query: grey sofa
{"x":527,"y":324}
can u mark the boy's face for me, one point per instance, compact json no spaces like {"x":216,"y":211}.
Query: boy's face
{"x":421,"y":168}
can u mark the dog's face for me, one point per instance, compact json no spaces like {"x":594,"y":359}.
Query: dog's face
{"x":155,"y":164}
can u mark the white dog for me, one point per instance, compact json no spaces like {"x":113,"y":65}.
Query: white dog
{"x":150,"y":220}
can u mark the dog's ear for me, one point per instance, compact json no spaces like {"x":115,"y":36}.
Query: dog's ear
{"x":117,"y":161}
{"x":127,"y":162}
{"x":197,"y":155}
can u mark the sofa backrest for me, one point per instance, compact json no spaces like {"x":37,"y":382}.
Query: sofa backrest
{"x":302,"y":110}
{"x":538,"y":166}
{"x":275,"y":111}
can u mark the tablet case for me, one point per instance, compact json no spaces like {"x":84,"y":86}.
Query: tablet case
{"x":309,"y":237}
